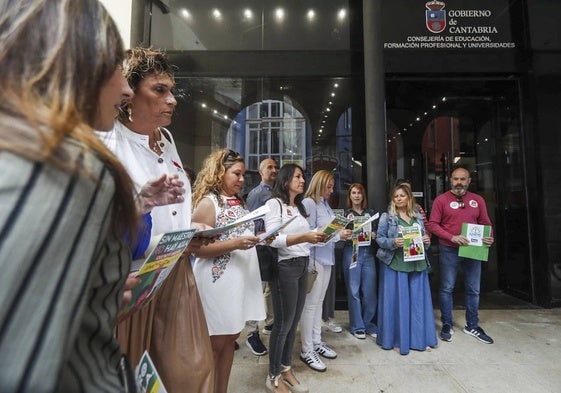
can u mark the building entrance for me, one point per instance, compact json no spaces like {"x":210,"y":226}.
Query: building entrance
{"x":435,"y":125}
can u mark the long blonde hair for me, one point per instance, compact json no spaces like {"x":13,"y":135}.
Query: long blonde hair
{"x":210,"y":178}
{"x":55,"y":56}
{"x":318,"y":184}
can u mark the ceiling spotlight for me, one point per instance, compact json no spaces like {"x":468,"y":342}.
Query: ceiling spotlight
{"x":185,"y":13}
{"x":279,"y":13}
{"x":311,"y":14}
{"x":248,"y":14}
{"x":342,"y":14}
{"x":216,"y":13}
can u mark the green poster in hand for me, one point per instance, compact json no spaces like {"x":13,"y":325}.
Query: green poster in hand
{"x":476,"y":249}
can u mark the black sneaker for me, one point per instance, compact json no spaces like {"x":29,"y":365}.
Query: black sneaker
{"x":254,"y":343}
{"x":479,"y":334}
{"x":267,"y":329}
{"x":446,"y":333}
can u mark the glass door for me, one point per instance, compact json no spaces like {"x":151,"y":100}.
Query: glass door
{"x":434,"y":126}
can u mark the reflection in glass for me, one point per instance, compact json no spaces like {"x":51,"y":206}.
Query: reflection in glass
{"x":253,"y":25}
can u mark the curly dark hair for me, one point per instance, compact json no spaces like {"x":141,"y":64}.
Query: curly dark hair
{"x":139,"y":63}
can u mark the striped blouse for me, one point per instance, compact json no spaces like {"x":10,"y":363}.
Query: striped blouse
{"x":62,"y":273}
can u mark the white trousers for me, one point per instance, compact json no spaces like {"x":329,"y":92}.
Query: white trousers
{"x":311,"y":322}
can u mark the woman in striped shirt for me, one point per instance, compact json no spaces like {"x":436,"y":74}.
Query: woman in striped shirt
{"x":65,"y":199}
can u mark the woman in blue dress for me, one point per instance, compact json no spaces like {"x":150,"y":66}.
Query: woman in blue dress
{"x":405,"y":313}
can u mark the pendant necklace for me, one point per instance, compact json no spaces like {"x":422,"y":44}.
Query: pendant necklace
{"x":154,"y":145}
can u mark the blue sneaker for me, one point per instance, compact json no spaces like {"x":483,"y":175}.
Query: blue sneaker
{"x":255,"y":344}
{"x":479,"y":334}
{"x":446,"y":333}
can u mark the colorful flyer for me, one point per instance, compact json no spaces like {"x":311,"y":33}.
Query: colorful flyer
{"x":362,"y":230}
{"x":337,"y":224}
{"x":413,"y":247}
{"x":166,"y":249}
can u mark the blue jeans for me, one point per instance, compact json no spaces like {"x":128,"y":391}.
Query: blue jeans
{"x":288,"y":292}
{"x":361,"y":289}
{"x":449,"y":264}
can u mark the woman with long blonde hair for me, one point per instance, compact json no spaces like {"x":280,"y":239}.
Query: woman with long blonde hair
{"x":405,"y":313}
{"x":322,"y":258}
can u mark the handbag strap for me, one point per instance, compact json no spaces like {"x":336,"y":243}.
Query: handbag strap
{"x":314,"y":250}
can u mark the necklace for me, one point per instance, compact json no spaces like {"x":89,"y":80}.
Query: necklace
{"x":154,"y":145}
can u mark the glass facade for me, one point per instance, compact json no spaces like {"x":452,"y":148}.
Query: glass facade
{"x":223,"y":25}
{"x":287,"y":80}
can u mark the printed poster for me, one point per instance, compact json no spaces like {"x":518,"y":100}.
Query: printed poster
{"x":413,"y":247}
{"x":362,"y":230}
{"x":156,"y":268}
{"x":362,"y":233}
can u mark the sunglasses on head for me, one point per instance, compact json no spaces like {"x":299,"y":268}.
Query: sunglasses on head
{"x":230,"y":153}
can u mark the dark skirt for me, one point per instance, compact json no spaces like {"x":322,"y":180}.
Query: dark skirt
{"x":405,"y":313}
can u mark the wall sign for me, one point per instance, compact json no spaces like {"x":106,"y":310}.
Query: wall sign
{"x":454,"y":24}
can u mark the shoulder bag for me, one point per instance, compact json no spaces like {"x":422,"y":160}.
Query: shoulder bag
{"x":268,"y":258}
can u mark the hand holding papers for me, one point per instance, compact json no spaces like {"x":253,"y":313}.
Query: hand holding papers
{"x":362,"y":229}
{"x":413,"y":247}
{"x":476,"y":249}
{"x":166,"y":249}
{"x":257,"y":213}
{"x":337,"y":224}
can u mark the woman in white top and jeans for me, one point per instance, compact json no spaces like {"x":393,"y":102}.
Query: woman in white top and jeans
{"x":288,"y":286}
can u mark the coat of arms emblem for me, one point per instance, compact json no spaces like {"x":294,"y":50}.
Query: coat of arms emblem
{"x":435,"y":16}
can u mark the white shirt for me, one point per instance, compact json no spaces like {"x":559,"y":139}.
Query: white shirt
{"x":143,"y":164}
{"x":299,"y":225}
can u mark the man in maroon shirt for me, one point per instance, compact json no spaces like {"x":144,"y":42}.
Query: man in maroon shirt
{"x":449,"y":211}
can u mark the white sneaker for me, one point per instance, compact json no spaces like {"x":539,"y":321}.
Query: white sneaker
{"x":313,"y":361}
{"x":323,"y":350}
{"x":359,"y":334}
{"x":333,"y":326}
